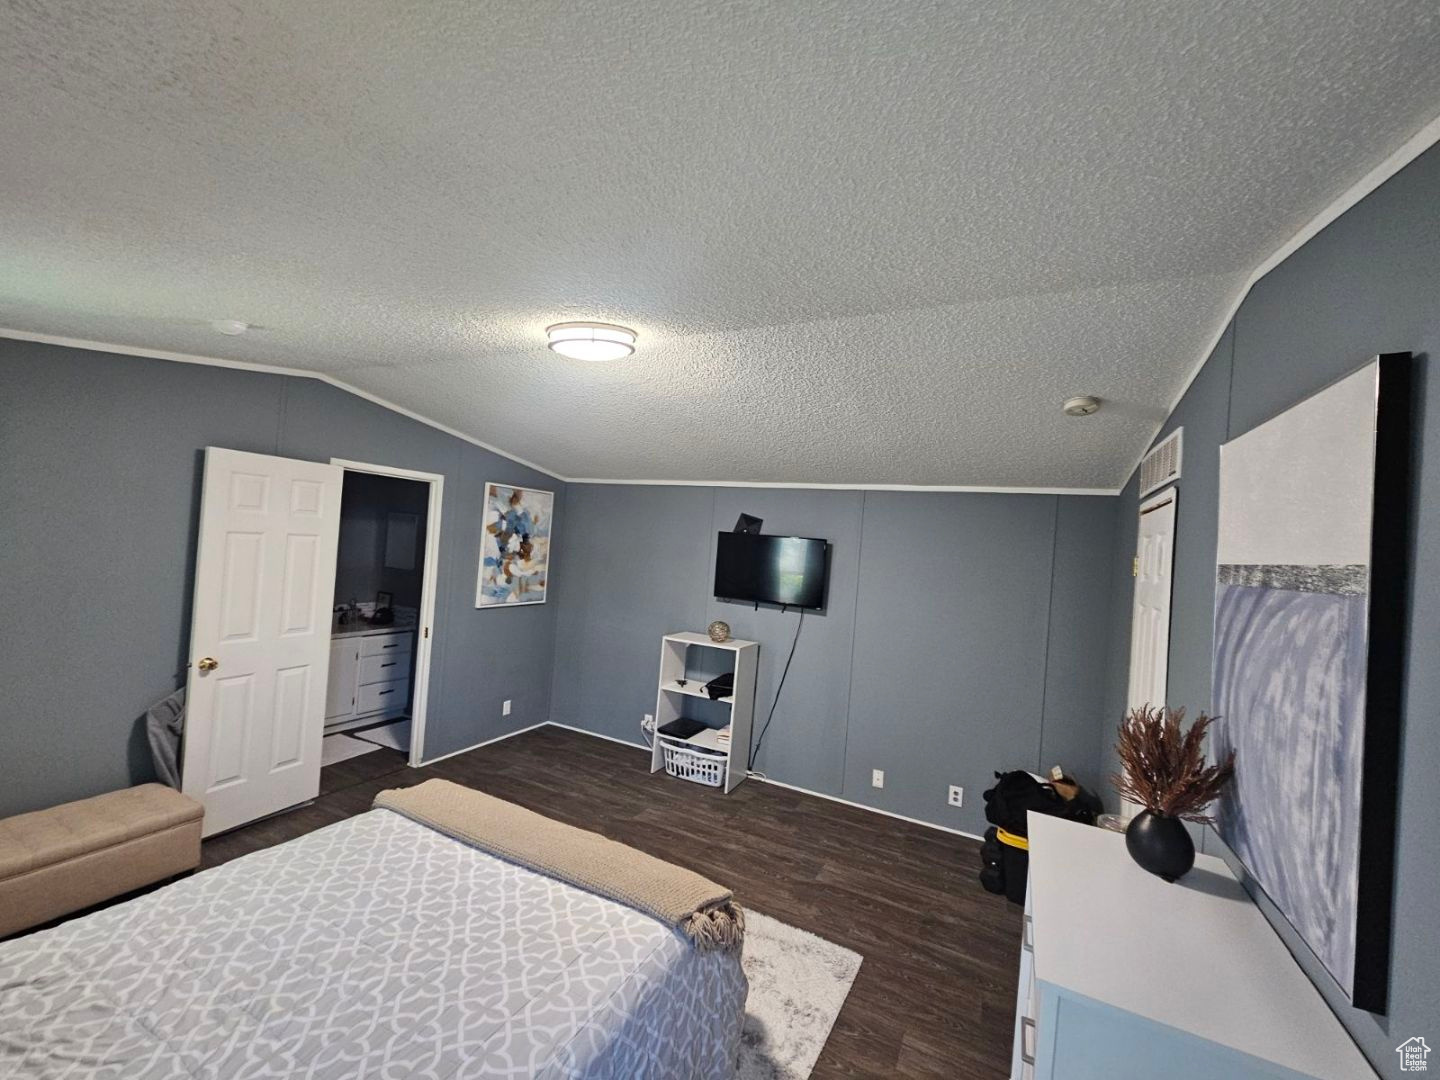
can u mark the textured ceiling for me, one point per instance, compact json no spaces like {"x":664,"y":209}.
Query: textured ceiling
{"x":862,"y":242}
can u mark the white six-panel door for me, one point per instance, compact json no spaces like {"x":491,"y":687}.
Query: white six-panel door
{"x":1150,"y":623}
{"x":1150,"y":615}
{"x":260,"y":634}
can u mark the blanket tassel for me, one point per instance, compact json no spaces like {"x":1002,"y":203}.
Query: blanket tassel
{"x":720,"y":928}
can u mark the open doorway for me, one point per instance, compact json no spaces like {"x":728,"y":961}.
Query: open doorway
{"x":382,"y":617}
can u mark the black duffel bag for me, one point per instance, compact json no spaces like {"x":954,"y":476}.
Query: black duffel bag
{"x":992,"y":863}
{"x":1005,"y":866}
{"x":1017,"y":793}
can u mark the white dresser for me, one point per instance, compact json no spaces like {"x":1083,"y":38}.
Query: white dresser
{"x":369,"y":675}
{"x":1126,"y":977}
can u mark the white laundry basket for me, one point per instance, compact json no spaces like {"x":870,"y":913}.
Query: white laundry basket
{"x":696,"y":765}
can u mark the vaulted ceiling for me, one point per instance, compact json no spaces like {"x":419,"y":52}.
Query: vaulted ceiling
{"x":862,"y":243}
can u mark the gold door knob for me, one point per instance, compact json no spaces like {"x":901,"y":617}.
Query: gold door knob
{"x":208,"y":663}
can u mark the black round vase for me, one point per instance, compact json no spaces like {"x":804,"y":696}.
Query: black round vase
{"x":1160,"y":844}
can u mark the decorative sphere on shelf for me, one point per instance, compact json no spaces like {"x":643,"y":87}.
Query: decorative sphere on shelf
{"x":719,"y":631}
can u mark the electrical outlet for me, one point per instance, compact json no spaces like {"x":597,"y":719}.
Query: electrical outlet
{"x":957,"y":795}
{"x":505,"y":708}
{"x":877,"y":777}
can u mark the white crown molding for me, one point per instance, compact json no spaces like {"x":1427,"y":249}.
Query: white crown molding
{"x":305,"y":373}
{"x":938,"y":489}
{"x":269,"y":369}
{"x":1412,"y":148}
{"x":1407,"y":152}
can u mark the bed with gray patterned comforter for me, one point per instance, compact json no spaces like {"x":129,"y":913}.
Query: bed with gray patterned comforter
{"x":378,"y":948}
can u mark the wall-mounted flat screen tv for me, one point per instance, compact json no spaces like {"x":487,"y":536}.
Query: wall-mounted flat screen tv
{"x":788,"y":570}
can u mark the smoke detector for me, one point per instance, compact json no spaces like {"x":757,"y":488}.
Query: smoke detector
{"x":1081,"y":405}
{"x":230,"y":327}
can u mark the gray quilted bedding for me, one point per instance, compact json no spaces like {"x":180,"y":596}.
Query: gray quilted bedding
{"x":373,"y":948}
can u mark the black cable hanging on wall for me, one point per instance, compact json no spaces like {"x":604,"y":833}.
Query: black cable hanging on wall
{"x":755,"y":753}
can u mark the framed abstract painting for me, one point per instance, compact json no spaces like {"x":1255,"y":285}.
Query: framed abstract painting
{"x":1310,"y":590}
{"x":514,"y":546}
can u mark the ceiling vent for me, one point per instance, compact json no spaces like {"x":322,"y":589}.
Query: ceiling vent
{"x":1162,"y":464}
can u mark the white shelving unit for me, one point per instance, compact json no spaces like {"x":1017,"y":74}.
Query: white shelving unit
{"x":680,"y":661}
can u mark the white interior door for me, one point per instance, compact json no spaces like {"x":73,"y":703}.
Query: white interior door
{"x":1150,"y":615}
{"x":1150,"y":623}
{"x":260,"y":634}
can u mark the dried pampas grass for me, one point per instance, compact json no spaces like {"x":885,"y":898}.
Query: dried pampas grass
{"x":1164,"y":768}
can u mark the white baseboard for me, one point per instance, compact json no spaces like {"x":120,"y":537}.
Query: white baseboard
{"x":478,"y":745}
{"x":789,"y":787}
{"x":862,"y":806}
{"x":597,"y":735}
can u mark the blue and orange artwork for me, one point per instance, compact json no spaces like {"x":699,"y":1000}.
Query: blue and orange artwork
{"x":515,"y":546}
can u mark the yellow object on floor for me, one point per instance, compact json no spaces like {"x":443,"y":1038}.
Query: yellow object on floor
{"x":1012,"y":840}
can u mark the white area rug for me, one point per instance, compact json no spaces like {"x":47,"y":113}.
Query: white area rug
{"x":342,"y":747}
{"x":395,"y":735}
{"x":797,"y":984}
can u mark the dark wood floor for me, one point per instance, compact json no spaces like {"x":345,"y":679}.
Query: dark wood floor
{"x":935,"y":996}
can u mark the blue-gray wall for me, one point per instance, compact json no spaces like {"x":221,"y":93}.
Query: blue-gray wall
{"x":100,"y":460}
{"x":1368,"y":284}
{"x":963,"y":633}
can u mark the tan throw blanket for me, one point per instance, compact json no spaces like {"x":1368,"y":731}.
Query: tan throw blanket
{"x":677,"y":897}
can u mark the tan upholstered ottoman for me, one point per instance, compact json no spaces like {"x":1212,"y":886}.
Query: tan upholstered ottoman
{"x":56,"y":861}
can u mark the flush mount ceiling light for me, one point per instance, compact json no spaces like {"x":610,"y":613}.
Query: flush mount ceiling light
{"x":591,"y":340}
{"x":230,"y":327}
{"x":1083,"y":405}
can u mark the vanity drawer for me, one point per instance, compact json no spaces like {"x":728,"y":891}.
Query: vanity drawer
{"x":387,"y":644}
{"x":382,"y":696}
{"x":387,"y":667}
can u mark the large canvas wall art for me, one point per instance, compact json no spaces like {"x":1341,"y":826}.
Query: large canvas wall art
{"x":1309,"y":580}
{"x":514,"y":546}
